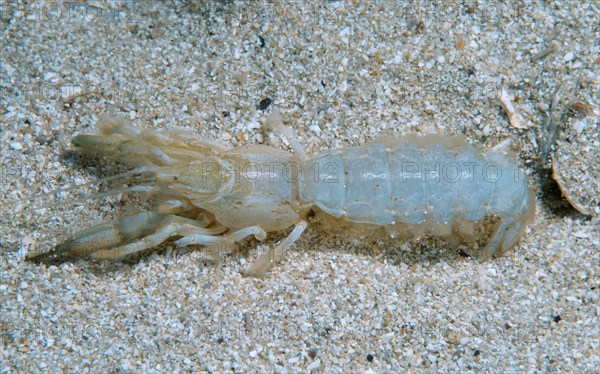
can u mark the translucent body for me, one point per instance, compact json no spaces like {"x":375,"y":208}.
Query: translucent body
{"x":426,"y":183}
{"x":207,"y":194}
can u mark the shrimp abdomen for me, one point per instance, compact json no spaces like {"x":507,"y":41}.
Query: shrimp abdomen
{"x":425,"y":182}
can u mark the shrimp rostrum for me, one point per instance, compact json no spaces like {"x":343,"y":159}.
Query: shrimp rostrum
{"x":211,"y":196}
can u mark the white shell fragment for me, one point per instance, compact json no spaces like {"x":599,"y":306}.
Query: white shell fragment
{"x":515,"y":118}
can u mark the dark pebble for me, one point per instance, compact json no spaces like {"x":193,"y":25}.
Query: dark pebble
{"x":264,"y":103}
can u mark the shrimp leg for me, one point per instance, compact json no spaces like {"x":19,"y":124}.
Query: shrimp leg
{"x":272,"y":256}
{"x":191,"y":235}
{"x":124,"y":236}
{"x":275,"y":122}
{"x":220,"y":245}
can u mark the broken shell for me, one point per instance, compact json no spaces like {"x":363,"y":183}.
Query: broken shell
{"x":515,"y":118}
{"x":576,"y":168}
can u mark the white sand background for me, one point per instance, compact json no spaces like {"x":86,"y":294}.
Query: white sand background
{"x":341,"y":73}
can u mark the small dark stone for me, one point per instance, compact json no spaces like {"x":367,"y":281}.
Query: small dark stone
{"x":312,"y":354}
{"x":262,"y":41}
{"x":225,"y":113}
{"x":264,"y":103}
{"x":476,"y":353}
{"x":557,"y":318}
{"x":370,"y":357}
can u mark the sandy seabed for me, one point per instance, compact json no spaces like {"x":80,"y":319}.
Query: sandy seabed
{"x":342,"y":73}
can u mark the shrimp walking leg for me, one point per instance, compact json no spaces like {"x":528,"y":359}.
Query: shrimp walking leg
{"x":221,"y":245}
{"x":236,"y":236}
{"x":276,"y":123}
{"x":178,"y":226}
{"x":273,"y":256}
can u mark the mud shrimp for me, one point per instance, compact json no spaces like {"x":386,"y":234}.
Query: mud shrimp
{"x":210,"y":195}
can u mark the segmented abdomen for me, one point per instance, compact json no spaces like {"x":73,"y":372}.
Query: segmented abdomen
{"x":414,"y":182}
